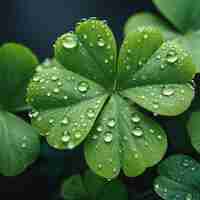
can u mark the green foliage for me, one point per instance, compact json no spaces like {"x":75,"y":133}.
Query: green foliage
{"x":185,"y":26}
{"x":92,"y":187}
{"x":19,"y":142}
{"x":179,"y":178}
{"x":94,"y":96}
{"x":193,"y":127}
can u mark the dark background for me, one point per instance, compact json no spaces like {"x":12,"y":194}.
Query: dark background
{"x":37,"y":24}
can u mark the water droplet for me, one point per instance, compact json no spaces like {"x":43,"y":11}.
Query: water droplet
{"x":90,"y":113}
{"x":99,"y":128}
{"x":65,"y":121}
{"x":172,"y":59}
{"x":167,"y":91}
{"x":70,"y":145}
{"x":59,"y":83}
{"x":146,"y":36}
{"x":70,"y":41}
{"x":137,"y":132}
{"x":99,"y":166}
{"x":101,"y":42}
{"x":135,"y":118}
{"x":94,"y":137}
{"x":159,"y":137}
{"x":65,"y":138}
{"x":106,"y":61}
{"x":35,"y":114}
{"x":51,"y":121}
{"x":77,"y":135}
{"x":85,"y":36}
{"x":48,"y":94}
{"x":188,"y":196}
{"x":65,"y":97}
{"x":155,"y":105}
{"x":56,"y":90}
{"x":111,"y":123}
{"x":54,"y":78}
{"x":23,"y":145}
{"x":36,"y":79}
{"x":108,"y":137}
{"x":83,"y":86}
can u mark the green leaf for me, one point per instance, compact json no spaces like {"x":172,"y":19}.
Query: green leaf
{"x":89,"y":51}
{"x":92,"y":187}
{"x":115,"y":190}
{"x":179,"y":178}
{"x":124,"y":138}
{"x":71,"y":105}
{"x":19,"y":144}
{"x":183,"y":14}
{"x":17,"y":67}
{"x":73,"y":189}
{"x":191,"y":42}
{"x":149,"y":19}
{"x":66,"y":105}
{"x":193,"y":129}
{"x":168,"y":99}
{"x":136,"y":50}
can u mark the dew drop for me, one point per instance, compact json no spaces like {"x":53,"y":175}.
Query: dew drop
{"x":111,"y":123}
{"x":65,"y":121}
{"x":65,"y":138}
{"x":54,"y":78}
{"x":56,"y":90}
{"x":137,"y":132}
{"x":99,"y":128}
{"x":83,"y":87}
{"x":65,"y":97}
{"x":108,"y":137}
{"x":188,"y":196}
{"x":167,"y":91}
{"x":90,"y":113}
{"x":172,"y":59}
{"x":101,"y":42}
{"x":135,"y":118}
{"x":70,"y":41}
{"x":51,"y":121}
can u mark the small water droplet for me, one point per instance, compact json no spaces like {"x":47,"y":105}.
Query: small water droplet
{"x":65,"y":97}
{"x":108,"y":137}
{"x":146,"y":36}
{"x":111,"y":123}
{"x":99,"y":128}
{"x":56,"y":90}
{"x":24,"y":145}
{"x":137,"y":132}
{"x":83,"y":86}
{"x":99,"y":166}
{"x":188,"y":196}
{"x":65,"y":138}
{"x":101,"y":42}
{"x":54,"y":78}
{"x":90,"y":113}
{"x":167,"y":91}
{"x":135,"y":118}
{"x":65,"y":121}
{"x":70,"y":41}
{"x":172,"y":58}
{"x":51,"y":121}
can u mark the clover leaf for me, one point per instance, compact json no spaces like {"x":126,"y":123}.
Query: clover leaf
{"x":92,"y":187}
{"x":95,"y":96}
{"x":185,"y":26}
{"x":19,"y":142}
{"x":179,"y":178}
{"x":193,"y":129}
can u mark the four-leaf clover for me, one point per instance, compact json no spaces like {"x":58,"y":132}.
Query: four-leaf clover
{"x":96,"y":95}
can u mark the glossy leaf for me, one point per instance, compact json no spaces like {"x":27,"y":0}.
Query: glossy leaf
{"x":179,"y":178}
{"x":89,"y":51}
{"x":193,"y":129}
{"x":149,"y":19}
{"x":78,"y":102}
{"x":183,"y":14}
{"x":124,"y":138}
{"x":17,"y":67}
{"x":168,"y":99}
{"x":19,"y":144}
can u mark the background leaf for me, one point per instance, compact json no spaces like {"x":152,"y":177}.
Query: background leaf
{"x":179,"y":178}
{"x":19,"y":144}
{"x":17,"y":67}
{"x":193,"y":129}
{"x":179,"y":12}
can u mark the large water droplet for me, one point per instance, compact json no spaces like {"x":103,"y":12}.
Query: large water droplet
{"x":83,"y":86}
{"x":167,"y":91}
{"x":108,"y":137}
{"x":70,"y":41}
{"x":137,"y":132}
